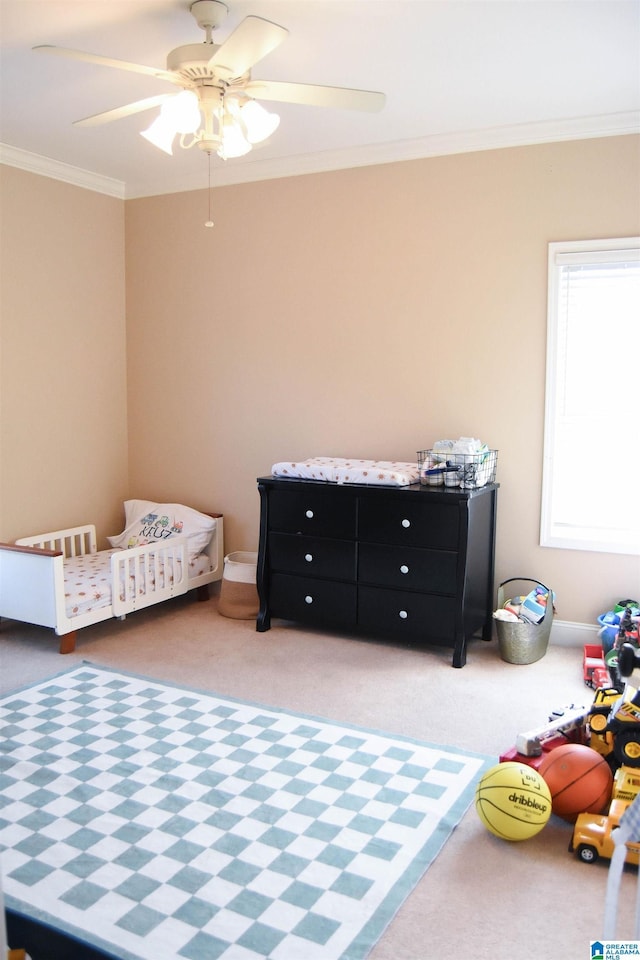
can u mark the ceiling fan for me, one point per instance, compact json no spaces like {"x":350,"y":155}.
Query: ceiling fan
{"x":217,"y":108}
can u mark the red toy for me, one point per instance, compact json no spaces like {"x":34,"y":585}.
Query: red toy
{"x":594,"y":668}
{"x":579,"y":779}
{"x":564,"y":726}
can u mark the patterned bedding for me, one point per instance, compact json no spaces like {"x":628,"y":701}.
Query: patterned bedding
{"x":338,"y":470}
{"x":87,"y":580}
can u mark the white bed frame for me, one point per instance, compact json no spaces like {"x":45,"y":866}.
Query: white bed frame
{"x":32,"y":577}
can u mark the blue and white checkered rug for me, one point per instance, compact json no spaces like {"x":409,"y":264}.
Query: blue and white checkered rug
{"x":161,"y":823}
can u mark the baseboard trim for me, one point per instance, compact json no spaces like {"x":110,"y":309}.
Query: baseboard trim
{"x":566,"y":633}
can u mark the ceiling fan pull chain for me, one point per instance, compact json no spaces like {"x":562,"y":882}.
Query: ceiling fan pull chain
{"x":209,"y":222}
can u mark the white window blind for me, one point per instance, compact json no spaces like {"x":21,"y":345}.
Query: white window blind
{"x":591,"y":475}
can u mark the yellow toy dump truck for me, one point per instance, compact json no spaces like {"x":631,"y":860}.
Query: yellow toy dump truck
{"x":614,"y":725}
{"x":592,"y":835}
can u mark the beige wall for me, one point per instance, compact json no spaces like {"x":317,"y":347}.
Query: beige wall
{"x":366,"y":312}
{"x":63,"y":428}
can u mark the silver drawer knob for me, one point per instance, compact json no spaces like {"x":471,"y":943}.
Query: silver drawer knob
{"x":308,"y":557}
{"x":406,"y":523}
{"x":404,"y":568}
{"x":403,"y":614}
{"x":309,"y":514}
{"x":308,"y":599}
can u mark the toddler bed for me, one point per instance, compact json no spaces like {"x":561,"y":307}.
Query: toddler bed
{"x":60,"y":579}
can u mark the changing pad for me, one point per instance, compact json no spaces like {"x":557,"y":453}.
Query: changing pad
{"x":338,"y":470}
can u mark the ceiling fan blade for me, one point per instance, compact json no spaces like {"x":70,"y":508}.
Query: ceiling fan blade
{"x":119,"y":112}
{"x":312,"y":95}
{"x":249,"y":42}
{"x":106,"y":61}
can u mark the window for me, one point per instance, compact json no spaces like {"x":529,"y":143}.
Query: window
{"x":591,"y":474}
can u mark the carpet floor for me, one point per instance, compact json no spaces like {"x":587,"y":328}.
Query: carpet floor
{"x":482,"y":898}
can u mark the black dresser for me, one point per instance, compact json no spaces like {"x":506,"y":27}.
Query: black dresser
{"x":409,"y":564}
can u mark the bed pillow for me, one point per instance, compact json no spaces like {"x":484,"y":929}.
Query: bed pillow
{"x":147,"y":522}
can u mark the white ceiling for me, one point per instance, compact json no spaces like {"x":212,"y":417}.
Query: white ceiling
{"x":458,"y":75}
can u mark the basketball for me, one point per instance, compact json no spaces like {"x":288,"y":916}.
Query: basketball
{"x":579,"y":779}
{"x":513,"y":801}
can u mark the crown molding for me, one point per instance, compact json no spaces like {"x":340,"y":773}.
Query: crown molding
{"x":468,"y":141}
{"x":56,"y":170}
{"x":251,"y":170}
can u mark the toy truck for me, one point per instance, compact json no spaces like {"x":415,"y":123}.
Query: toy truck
{"x":611,"y":726}
{"x":592,"y":835}
{"x":564,"y":726}
{"x":614,"y":722}
{"x":594,"y":669}
{"x":626,"y":784}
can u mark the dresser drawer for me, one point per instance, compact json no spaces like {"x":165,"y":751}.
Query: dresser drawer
{"x":415,"y":615}
{"x":314,"y":601}
{"x":408,"y":568}
{"x":312,"y":513}
{"x":313,"y":556}
{"x":404,"y":521}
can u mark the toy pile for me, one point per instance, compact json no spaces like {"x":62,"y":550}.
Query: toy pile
{"x":529,"y":609}
{"x":583,"y":765}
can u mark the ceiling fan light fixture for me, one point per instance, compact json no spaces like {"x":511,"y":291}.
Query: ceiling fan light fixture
{"x":216,"y":108}
{"x":160,"y":134}
{"x":258,"y":122}
{"x":182,"y":112}
{"x":178,"y":114}
{"x":234,"y":143}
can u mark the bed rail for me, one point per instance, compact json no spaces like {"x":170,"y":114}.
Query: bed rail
{"x":72,"y":542}
{"x":142,"y":576}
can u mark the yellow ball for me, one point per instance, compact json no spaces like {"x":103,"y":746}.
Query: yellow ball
{"x":513,"y":801}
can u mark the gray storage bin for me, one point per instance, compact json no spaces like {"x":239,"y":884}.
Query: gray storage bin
{"x":521,"y":642}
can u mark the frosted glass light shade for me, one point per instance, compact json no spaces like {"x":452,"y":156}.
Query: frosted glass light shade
{"x":233,"y":143}
{"x":182,"y":112}
{"x":258,"y":122}
{"x":160,"y":134}
{"x":178,"y":114}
